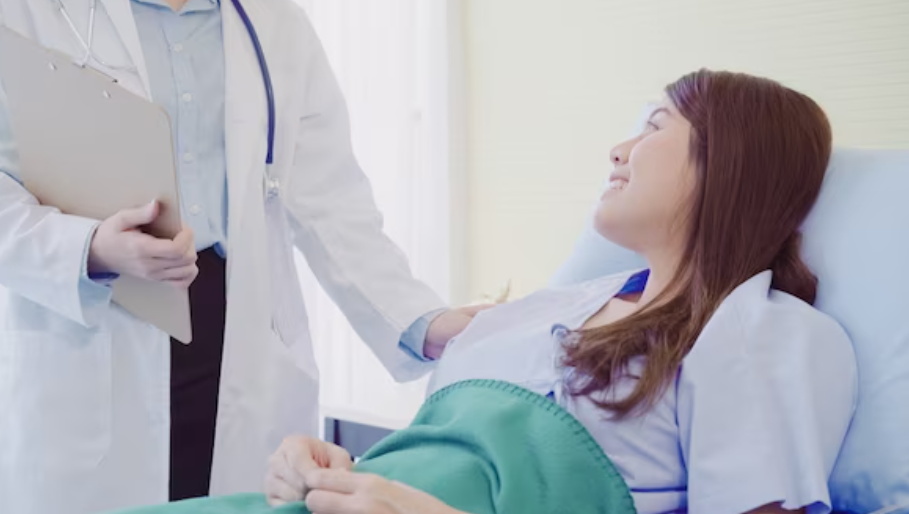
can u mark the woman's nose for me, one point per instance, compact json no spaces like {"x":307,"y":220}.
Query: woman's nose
{"x":619,"y":154}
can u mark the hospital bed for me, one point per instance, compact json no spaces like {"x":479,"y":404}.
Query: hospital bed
{"x":857,"y":242}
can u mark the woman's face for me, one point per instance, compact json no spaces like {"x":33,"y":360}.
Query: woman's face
{"x":651,"y":185}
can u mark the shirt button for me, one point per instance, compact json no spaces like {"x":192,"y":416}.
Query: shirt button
{"x":178,"y":48}
{"x":188,"y":157}
{"x":195,"y":210}
{"x":187,"y":97}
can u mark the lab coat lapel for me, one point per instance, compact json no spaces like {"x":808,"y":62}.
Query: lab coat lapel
{"x":52,"y":31}
{"x":121,"y":14}
{"x":245,"y":109}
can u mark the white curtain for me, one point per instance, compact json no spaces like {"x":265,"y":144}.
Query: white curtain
{"x":392,"y":61}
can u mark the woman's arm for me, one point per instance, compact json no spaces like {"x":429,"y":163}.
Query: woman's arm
{"x":333,"y":491}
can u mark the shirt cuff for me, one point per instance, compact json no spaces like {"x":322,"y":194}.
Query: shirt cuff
{"x":414,"y":339}
{"x":89,"y":280}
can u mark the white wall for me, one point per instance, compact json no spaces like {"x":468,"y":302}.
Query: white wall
{"x":552,"y":85}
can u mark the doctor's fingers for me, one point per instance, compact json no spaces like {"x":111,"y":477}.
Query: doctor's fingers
{"x":129,"y":219}
{"x":186,"y":259}
{"x":183,"y":245}
{"x":177,"y":273}
{"x":473,"y":310}
{"x":185,"y":240}
{"x":149,"y":247}
{"x":179,"y":277}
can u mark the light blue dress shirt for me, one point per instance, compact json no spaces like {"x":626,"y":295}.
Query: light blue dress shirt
{"x":185,"y":59}
{"x":184,"y":53}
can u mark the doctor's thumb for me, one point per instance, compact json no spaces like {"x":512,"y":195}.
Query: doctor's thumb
{"x":128,"y":219}
{"x":473,"y":310}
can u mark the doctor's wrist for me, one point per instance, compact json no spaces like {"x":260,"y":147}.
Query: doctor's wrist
{"x":433,"y":351}
{"x":446,"y":327}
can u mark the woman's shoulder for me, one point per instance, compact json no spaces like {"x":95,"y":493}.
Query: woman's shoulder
{"x":758,"y":322}
{"x":759,"y":307}
{"x":770,"y":382}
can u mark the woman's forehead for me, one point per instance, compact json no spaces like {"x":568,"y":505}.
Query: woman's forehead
{"x":660,"y":103}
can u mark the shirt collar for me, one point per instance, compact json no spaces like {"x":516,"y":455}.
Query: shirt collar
{"x":191,"y":5}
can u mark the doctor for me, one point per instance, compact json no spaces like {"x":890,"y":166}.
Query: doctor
{"x":98,"y":413}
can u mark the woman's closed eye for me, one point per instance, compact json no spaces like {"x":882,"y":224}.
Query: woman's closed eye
{"x":649,"y":128}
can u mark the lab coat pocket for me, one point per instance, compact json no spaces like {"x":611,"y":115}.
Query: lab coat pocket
{"x":60,"y":406}
{"x":294,"y":401}
{"x":295,"y":346}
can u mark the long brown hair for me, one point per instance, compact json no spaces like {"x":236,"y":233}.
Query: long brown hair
{"x":760,"y":151}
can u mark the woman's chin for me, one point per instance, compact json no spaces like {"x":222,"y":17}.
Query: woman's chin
{"x":609,"y":215}
{"x":606,"y":228}
{"x":610,"y":193}
{"x":613,"y":229}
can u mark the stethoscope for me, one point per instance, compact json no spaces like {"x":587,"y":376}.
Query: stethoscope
{"x":90,"y":56}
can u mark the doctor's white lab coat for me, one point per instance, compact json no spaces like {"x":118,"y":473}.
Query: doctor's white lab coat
{"x":84,"y":413}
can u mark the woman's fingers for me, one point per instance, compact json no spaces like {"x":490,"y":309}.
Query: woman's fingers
{"x":334,"y":480}
{"x":279,"y":492}
{"x":327,"y":502}
{"x":338,"y":458}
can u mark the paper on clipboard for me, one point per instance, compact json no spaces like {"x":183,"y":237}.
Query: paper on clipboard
{"x":91,"y":148}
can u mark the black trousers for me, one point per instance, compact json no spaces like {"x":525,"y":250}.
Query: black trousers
{"x":195,"y":378}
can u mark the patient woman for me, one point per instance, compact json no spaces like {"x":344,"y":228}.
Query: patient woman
{"x":709,"y":381}
{"x":705,"y":383}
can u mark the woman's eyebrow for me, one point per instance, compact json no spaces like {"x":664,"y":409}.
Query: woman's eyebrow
{"x":658,"y":111}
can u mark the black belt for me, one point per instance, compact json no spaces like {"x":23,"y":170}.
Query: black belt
{"x":194,"y":383}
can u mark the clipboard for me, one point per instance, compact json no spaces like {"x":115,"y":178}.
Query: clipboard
{"x":91,"y":148}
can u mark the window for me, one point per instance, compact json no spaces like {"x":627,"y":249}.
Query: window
{"x":392,"y":61}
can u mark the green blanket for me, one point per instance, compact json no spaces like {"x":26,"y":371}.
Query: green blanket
{"x":483,"y":447}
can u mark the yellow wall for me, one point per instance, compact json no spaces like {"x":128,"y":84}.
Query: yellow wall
{"x":553,"y":84}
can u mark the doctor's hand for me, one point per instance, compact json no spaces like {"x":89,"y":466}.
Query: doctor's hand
{"x":119,"y":246}
{"x":447,"y":326}
{"x":296,"y":457}
{"x":345,"y":492}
